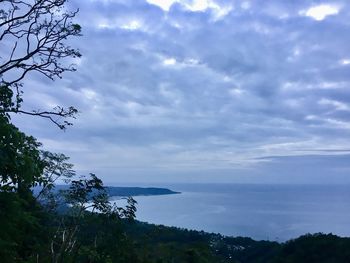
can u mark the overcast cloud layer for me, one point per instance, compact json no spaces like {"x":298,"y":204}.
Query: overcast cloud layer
{"x":205,"y":91}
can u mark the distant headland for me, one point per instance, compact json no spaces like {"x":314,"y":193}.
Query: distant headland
{"x":138,"y":191}
{"x":121,"y":191}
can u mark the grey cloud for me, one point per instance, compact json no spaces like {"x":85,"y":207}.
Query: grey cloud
{"x":190,"y":91}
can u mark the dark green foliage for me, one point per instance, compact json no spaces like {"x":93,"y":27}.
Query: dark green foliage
{"x":21,"y":166}
{"x":22,"y":235}
{"x":7,"y":101}
{"x":320,"y":248}
{"x":169,"y":244}
{"x":245,"y":249}
{"x":31,"y":230}
{"x":83,"y":235}
{"x":102,"y":239}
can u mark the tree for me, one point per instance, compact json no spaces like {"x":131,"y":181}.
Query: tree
{"x":86,"y":196}
{"x":33,"y":38}
{"x":21,"y":166}
{"x":56,"y":168}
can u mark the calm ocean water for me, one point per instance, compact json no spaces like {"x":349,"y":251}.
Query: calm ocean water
{"x":269,"y":212}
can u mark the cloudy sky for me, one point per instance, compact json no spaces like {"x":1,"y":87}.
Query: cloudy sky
{"x":205,"y":91}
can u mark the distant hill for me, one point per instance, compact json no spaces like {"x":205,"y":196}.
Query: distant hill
{"x":123,"y":191}
{"x":137,"y":191}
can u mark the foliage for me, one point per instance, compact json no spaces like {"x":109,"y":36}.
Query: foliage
{"x":30,"y":226}
{"x":22,"y":235}
{"x":318,"y":247}
{"x":21,"y":166}
{"x":158,"y":243}
{"x":88,"y":203}
{"x":56,"y":167}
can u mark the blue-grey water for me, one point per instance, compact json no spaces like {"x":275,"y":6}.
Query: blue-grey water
{"x":270,"y":212}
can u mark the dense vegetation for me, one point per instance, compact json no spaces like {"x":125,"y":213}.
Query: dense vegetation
{"x":169,"y":244}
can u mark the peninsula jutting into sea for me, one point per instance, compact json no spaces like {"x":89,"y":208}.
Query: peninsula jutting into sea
{"x":138,"y":191}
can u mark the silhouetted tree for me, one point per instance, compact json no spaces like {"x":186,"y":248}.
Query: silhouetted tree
{"x":56,"y":168}
{"x":33,"y":36}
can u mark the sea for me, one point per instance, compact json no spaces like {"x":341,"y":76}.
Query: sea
{"x":260,"y":211}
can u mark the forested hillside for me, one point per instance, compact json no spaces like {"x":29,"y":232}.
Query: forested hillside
{"x":169,"y":244}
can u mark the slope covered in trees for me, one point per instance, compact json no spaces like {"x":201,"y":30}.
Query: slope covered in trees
{"x":169,"y":244}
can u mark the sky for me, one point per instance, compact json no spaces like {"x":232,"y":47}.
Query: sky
{"x":204,"y":91}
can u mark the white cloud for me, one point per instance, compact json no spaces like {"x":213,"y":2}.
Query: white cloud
{"x":336,"y":104}
{"x":132,"y":25}
{"x":320,"y":12}
{"x":345,"y":62}
{"x":311,"y":117}
{"x":333,"y":123}
{"x":169,"y":61}
{"x":288,"y":148}
{"x":219,"y":11}
{"x":122,"y":23}
{"x":191,"y":61}
{"x":188,"y":62}
{"x":236,"y":92}
{"x":163,"y":4}
{"x":301,"y":86}
{"x":103,"y":25}
{"x":89,"y":94}
{"x":198,"y":5}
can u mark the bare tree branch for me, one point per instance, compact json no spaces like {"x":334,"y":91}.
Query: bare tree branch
{"x":34,"y":34}
{"x":55,"y":116}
